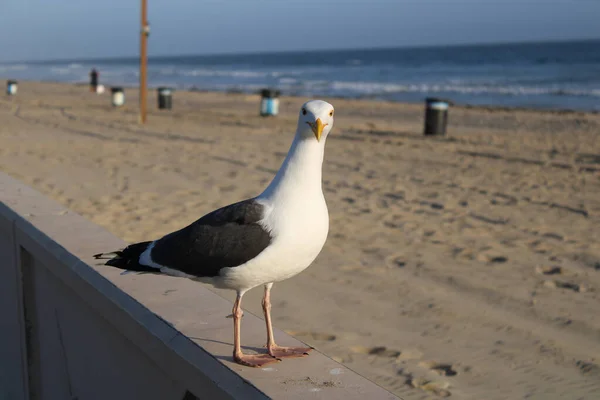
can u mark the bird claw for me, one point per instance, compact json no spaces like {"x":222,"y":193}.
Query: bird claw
{"x":255,"y":360}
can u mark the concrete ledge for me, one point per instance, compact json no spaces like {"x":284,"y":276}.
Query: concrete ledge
{"x":46,"y":252}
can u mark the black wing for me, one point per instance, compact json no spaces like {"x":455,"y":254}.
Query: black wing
{"x":227,"y":237}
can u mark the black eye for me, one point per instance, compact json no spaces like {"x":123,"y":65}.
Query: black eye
{"x":304,"y":111}
{"x":331,"y":113}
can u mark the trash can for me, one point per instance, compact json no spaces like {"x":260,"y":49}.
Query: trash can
{"x":118,"y":97}
{"x":11,"y":88}
{"x":436,"y":116}
{"x":93,"y":80}
{"x":269,"y":103}
{"x":165,"y":98}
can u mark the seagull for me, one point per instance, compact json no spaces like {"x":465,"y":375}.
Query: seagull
{"x":258,"y":241}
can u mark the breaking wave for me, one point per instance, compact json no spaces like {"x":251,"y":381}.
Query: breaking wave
{"x":373,"y":88}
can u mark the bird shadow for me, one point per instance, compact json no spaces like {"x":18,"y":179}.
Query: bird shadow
{"x":253,"y":348}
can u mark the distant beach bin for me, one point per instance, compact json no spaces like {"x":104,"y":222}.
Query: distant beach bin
{"x":165,"y":98}
{"x":118,"y":97}
{"x":269,"y":103}
{"x":436,"y":116}
{"x":11,"y":87}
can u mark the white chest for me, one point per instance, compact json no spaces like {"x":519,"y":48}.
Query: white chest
{"x":299,"y":233}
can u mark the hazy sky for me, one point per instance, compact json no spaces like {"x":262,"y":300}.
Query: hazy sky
{"x":54,"y":29}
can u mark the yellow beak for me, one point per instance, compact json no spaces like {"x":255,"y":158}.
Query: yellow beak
{"x":317,"y":128}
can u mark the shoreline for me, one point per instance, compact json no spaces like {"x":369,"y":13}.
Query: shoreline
{"x":453,"y":105}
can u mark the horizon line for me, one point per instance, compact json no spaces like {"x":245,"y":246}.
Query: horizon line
{"x":275,"y":52}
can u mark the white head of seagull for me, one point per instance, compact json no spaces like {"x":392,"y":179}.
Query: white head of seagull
{"x":301,"y":170}
{"x":316,"y":116}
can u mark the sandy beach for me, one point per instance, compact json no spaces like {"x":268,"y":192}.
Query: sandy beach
{"x":466,"y":265}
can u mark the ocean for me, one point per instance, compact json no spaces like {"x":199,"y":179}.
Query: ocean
{"x":563,"y":75}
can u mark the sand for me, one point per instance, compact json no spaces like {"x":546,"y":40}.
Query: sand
{"x":467,"y":265}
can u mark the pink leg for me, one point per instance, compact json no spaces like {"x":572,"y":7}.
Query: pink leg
{"x":274,"y":350}
{"x":249,"y":360}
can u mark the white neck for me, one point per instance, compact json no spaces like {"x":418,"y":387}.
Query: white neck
{"x":300,"y":172}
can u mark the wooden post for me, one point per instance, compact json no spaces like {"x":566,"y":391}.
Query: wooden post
{"x":143,"y":60}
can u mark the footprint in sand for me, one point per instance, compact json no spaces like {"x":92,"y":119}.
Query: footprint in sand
{"x":492,"y":258}
{"x":503,"y":199}
{"x":381,"y":203}
{"x":548,"y":269}
{"x":442,"y":369}
{"x":396,"y":261}
{"x":555,"y":283}
{"x":587,"y":260}
{"x":540,"y":247}
{"x":382,"y":351}
{"x":553,"y":235}
{"x":395,"y":222}
{"x":395,"y":196}
{"x":588,"y":368}
{"x":379,"y":351}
